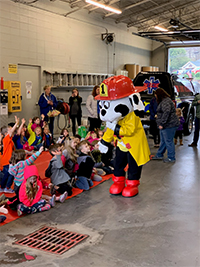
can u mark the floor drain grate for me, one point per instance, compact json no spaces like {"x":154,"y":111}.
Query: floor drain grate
{"x":52,"y":240}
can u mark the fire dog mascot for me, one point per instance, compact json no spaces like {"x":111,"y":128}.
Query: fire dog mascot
{"x":118,"y":100}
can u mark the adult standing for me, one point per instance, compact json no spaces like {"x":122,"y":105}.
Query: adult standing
{"x":153,"y":125}
{"x":48,"y":102}
{"x":196,"y":103}
{"x":92,"y":107}
{"x":167,"y":121}
{"x":75,"y":109}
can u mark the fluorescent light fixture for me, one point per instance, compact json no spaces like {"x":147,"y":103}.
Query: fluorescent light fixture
{"x":160,"y":28}
{"x":108,"y":8}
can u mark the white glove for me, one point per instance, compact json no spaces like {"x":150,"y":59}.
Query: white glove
{"x":111,"y":125}
{"x":103,"y":148}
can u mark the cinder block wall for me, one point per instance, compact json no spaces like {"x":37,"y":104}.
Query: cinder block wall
{"x":33,"y":36}
{"x":36,"y":37}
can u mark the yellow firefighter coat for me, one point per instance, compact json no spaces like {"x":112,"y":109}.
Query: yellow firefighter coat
{"x":133,"y":136}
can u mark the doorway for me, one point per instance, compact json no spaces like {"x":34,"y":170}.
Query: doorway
{"x":29,"y":76}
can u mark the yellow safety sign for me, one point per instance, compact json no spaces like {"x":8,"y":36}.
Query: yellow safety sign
{"x":12,"y":68}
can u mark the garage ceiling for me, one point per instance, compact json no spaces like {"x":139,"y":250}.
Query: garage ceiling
{"x":180,"y":18}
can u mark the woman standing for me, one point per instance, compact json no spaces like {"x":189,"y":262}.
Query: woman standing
{"x":48,"y":102}
{"x":92,"y":107}
{"x":75,"y":109}
{"x":167,"y":121}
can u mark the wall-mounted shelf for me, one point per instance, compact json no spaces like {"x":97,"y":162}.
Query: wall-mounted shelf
{"x":70,"y":88}
{"x":67,"y":81}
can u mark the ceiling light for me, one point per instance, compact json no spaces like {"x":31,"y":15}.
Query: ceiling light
{"x":108,"y":8}
{"x":160,"y":28}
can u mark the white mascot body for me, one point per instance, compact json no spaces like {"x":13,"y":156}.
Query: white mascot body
{"x":118,"y":100}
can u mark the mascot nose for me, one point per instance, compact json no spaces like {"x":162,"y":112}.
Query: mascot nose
{"x":103,"y":112}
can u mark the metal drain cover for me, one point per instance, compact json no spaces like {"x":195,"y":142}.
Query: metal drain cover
{"x":52,"y":240}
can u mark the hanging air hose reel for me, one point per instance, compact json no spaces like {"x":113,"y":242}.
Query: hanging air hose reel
{"x":64,"y":109}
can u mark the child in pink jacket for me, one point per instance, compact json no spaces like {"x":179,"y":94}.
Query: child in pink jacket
{"x":30,"y":193}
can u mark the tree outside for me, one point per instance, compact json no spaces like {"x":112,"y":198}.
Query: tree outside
{"x":177,"y":58}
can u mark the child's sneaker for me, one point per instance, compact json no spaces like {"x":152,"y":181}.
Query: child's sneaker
{"x":44,"y":208}
{"x":1,"y":190}
{"x":52,"y":201}
{"x":2,"y":218}
{"x":63,"y":197}
{"x":19,"y":212}
{"x":9,"y":190}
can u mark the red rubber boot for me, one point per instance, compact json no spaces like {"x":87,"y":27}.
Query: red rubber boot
{"x":131,"y":189}
{"x":118,"y":186}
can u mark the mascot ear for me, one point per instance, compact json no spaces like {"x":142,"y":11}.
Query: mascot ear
{"x":136,"y":102}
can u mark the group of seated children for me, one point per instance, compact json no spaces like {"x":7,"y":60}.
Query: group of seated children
{"x":74,"y":163}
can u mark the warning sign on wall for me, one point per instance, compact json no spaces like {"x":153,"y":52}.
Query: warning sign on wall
{"x":12,"y":68}
{"x":28,"y":89}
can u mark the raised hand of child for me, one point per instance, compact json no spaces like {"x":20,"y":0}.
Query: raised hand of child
{"x":30,"y":120}
{"x":23,"y":121}
{"x":57,"y":152}
{"x":88,"y":135}
{"x":41,"y":149}
{"x":42,"y":116}
{"x":16,"y":120}
{"x":3,"y":210}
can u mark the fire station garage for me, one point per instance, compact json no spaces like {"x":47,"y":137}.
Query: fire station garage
{"x":146,"y":214}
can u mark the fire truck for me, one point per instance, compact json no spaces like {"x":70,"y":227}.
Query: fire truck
{"x":181,"y":91}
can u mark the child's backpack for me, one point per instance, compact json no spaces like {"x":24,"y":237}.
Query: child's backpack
{"x":48,"y":171}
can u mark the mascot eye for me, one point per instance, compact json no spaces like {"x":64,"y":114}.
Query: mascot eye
{"x":106,"y":104}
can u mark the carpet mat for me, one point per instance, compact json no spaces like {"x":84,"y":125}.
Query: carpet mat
{"x":42,"y":163}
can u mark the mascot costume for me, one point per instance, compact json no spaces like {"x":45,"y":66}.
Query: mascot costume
{"x":117,"y":101}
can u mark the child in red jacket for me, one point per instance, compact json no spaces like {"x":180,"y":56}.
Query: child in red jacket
{"x":30,"y":193}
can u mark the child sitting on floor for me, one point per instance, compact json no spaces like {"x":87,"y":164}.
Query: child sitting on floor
{"x":91,"y":136}
{"x":20,"y":139}
{"x":78,"y":138}
{"x":35,"y":138}
{"x":69,"y":157}
{"x":47,"y":137}
{"x":64,"y":135}
{"x":100,"y":133}
{"x":97,"y":155}
{"x":59,"y":178}
{"x":8,"y":147}
{"x":16,"y":169}
{"x":86,"y":172}
{"x":30,"y":193}
{"x":36,"y":122}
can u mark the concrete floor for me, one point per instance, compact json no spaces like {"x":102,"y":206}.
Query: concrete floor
{"x":157,"y":228}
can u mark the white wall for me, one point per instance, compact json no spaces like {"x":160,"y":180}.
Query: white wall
{"x":33,"y":36}
{"x":159,"y":56}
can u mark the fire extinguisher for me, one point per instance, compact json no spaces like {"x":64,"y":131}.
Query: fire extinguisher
{"x":2,"y":83}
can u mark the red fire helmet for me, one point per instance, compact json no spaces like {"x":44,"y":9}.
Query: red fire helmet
{"x":117,"y":87}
